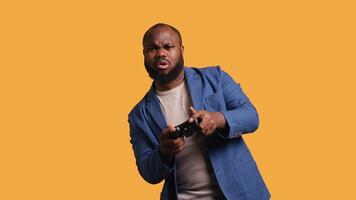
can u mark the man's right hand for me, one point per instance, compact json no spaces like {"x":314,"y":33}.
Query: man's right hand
{"x":168,"y":147}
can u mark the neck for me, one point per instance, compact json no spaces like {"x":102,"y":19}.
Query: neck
{"x":164,"y":87}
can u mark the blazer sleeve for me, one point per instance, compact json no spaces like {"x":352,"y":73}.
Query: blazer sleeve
{"x":148,"y":159}
{"x":241,"y":116}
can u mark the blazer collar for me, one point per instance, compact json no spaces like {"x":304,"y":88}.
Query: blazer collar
{"x":194,"y":83}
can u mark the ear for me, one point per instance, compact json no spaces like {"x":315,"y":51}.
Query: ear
{"x":182,"y":49}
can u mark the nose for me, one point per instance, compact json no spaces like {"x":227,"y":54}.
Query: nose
{"x":161,"y":53}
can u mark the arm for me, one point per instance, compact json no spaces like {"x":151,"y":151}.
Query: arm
{"x":241,"y":116}
{"x":148,"y":159}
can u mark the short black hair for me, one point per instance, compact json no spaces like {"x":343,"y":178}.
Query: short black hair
{"x":159,"y":25}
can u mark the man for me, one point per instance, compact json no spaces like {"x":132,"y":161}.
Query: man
{"x":213,"y":163}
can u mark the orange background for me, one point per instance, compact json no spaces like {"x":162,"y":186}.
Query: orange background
{"x":70,"y":71}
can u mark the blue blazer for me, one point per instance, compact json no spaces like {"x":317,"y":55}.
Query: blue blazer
{"x":211,"y":89}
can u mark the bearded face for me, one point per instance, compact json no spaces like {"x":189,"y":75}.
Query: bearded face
{"x":164,"y":78}
{"x":163,"y":55}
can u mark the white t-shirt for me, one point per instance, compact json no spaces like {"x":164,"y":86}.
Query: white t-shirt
{"x":195,"y":179}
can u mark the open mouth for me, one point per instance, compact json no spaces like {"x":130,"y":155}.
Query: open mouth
{"x":162,"y":64}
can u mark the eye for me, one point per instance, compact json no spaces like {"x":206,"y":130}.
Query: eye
{"x":169,"y":46}
{"x":151,"y":48}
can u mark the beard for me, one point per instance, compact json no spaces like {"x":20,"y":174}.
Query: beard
{"x":165,"y":78}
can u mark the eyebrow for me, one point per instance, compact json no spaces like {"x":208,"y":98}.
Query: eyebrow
{"x":151,"y":44}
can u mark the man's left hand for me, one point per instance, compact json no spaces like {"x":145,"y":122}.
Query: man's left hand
{"x":210,"y":121}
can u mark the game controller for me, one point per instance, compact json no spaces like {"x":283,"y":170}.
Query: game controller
{"x":186,"y":129}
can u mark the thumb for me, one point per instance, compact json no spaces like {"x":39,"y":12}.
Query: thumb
{"x":192,"y":111}
{"x":170,"y":128}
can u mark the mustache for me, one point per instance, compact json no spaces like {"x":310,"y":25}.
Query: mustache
{"x":160,"y":60}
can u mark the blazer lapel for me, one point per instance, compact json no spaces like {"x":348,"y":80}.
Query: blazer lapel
{"x":194,"y":86}
{"x":155,"y":111}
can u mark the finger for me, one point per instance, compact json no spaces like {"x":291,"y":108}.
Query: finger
{"x":173,"y":142}
{"x":174,"y":145}
{"x":170,"y":128}
{"x":212,"y":127}
{"x":211,"y":130}
{"x":192,"y":110}
{"x":180,"y":146}
{"x":181,"y":142}
{"x":207,"y":125}
{"x":204,"y":121}
{"x":178,"y":142}
{"x":180,"y":149}
{"x":196,"y":115}
{"x":204,"y":126}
